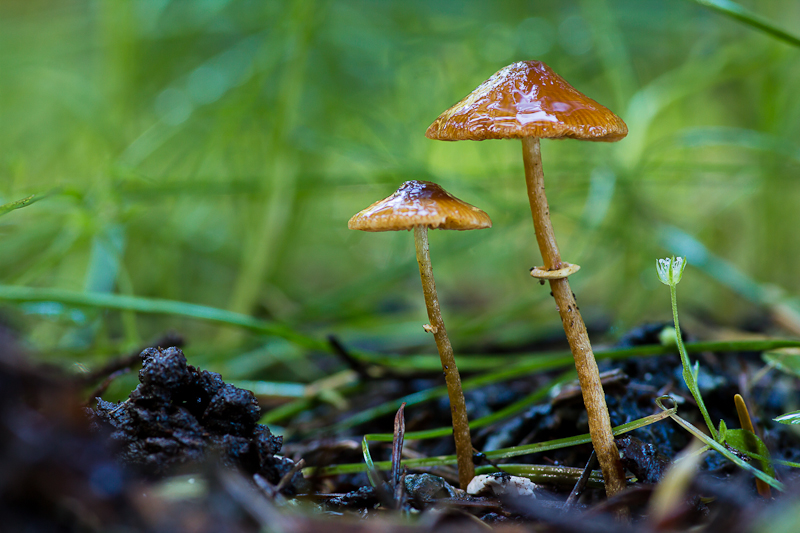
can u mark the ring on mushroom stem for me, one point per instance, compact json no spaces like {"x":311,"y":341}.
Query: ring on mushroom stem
{"x":528,"y":101}
{"x":419,"y":205}
{"x":566,"y":270}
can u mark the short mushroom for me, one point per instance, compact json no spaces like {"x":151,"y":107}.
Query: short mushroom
{"x":420,"y":205}
{"x":528,"y":101}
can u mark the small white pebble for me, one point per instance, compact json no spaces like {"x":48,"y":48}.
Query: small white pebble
{"x":500,"y":484}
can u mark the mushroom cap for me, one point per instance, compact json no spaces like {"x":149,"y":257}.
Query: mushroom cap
{"x":420,"y":203}
{"x":527,"y":99}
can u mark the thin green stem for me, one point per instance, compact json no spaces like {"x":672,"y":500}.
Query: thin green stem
{"x":720,"y":448}
{"x":688,"y":375}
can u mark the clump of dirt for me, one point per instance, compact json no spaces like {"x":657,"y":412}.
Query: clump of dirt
{"x":642,"y":459}
{"x":181,"y":415}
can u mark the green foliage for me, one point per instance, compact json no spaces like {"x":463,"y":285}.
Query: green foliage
{"x":372,"y":473}
{"x":785,"y":361}
{"x":18,"y":204}
{"x":192,"y":166}
{"x":502,"y":453}
{"x":721,"y":449}
{"x":749,"y":444}
{"x":211,"y":153}
{"x":670,"y":271}
{"x":734,"y":10}
{"x":789,"y":418}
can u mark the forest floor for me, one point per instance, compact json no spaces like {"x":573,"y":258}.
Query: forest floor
{"x":185,"y":452}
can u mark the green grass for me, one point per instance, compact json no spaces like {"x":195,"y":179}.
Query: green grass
{"x":209,"y":154}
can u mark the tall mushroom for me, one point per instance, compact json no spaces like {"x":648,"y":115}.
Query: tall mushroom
{"x":528,"y":101}
{"x":420,"y":205}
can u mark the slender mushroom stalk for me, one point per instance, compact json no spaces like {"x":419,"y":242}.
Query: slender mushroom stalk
{"x":419,"y":205}
{"x":528,"y":101}
{"x":458,"y":407}
{"x":588,"y":374}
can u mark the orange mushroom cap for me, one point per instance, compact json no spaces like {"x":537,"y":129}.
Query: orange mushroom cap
{"x":420,"y":203}
{"x":527,"y":99}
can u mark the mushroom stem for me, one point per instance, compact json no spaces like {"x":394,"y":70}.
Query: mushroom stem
{"x":593,"y":396}
{"x":458,"y":408}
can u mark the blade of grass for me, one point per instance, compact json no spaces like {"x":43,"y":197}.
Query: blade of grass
{"x":287,"y":410}
{"x":503,"y":413}
{"x":369,"y":465}
{"x":532,"y":364}
{"x":557,"y":359}
{"x":521,"y":363}
{"x":516,"y":451}
{"x":789,"y":418}
{"x":771,"y":481}
{"x":787,"y":362}
{"x":704,"y":137}
{"x":737,"y":12}
{"x":158,"y":306}
{"x":22,"y":202}
{"x":564,"y":475}
{"x":786,"y":310}
{"x":735,"y":438}
{"x":503,"y":453}
{"x":744,"y":441}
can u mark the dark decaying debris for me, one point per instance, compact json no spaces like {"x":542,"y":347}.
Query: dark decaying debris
{"x":179,"y":415}
{"x":126,"y":361}
{"x":365,"y":497}
{"x":55,"y":475}
{"x":642,"y":459}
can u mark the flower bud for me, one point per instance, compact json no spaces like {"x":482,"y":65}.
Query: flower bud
{"x":670,"y":270}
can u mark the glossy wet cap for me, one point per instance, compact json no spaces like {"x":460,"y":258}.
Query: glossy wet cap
{"x":527,"y":99}
{"x":420,"y":203}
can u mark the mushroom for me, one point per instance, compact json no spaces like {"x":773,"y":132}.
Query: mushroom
{"x":528,"y":101}
{"x":420,"y":205}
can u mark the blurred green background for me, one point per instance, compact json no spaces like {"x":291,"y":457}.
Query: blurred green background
{"x":211,"y":152}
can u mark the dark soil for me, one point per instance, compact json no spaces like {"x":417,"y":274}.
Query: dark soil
{"x":127,"y":466}
{"x":182,"y":415}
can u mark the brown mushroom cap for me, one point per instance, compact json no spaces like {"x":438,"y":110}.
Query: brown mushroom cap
{"x":527,"y":99}
{"x":420,"y":203}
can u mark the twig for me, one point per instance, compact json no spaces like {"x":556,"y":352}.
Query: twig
{"x":344,"y":354}
{"x":101,"y":389}
{"x":397,"y":452}
{"x":581,"y":484}
{"x":479,"y":458}
{"x":287,"y":478}
{"x":126,"y":361}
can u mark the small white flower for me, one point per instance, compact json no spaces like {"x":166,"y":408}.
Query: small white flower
{"x":670,"y":270}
